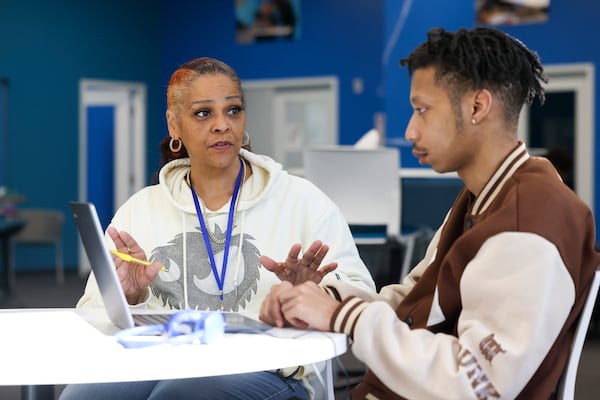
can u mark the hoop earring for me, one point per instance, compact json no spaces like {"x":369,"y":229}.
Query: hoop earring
{"x":246,"y":139}
{"x":172,"y":145}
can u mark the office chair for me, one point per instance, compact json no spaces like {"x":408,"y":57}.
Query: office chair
{"x":566,"y":386}
{"x":43,"y":227}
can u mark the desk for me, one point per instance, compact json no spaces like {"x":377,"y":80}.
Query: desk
{"x":7,"y":229}
{"x":61,"y":346}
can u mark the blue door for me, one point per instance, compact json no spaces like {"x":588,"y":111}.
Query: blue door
{"x":100,"y":160}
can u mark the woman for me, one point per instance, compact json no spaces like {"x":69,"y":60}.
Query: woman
{"x":216,"y":210}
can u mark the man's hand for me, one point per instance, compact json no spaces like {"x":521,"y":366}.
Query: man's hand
{"x":303,"y":306}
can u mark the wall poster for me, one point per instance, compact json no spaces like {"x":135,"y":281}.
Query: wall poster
{"x":267,"y":20}
{"x":511,"y":12}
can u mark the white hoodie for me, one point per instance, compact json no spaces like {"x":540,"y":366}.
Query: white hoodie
{"x":275,"y":210}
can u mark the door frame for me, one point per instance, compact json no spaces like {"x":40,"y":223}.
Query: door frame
{"x":266,"y":105}
{"x":580,"y":79}
{"x":129,"y":101}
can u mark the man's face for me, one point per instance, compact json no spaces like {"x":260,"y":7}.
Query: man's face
{"x":438,"y":134}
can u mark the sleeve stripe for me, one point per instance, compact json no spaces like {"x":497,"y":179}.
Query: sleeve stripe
{"x":345,"y":317}
{"x":331,"y":291}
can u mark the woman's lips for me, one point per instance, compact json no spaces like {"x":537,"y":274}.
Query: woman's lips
{"x":221,"y":145}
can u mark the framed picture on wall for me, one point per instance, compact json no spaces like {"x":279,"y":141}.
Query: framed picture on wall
{"x":267,"y":20}
{"x":511,"y":12}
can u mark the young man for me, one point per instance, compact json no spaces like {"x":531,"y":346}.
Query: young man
{"x":490,"y":312}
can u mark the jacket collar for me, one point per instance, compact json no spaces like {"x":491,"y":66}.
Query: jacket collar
{"x":507,"y":169}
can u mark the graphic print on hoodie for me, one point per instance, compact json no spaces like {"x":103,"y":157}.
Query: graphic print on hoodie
{"x":196,"y":281}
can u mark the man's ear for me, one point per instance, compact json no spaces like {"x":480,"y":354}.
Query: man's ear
{"x":481,"y":104}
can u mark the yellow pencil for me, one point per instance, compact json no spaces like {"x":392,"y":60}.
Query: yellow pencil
{"x":129,"y":258}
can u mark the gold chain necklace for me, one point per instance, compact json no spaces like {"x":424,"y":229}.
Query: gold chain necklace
{"x":211,"y":234}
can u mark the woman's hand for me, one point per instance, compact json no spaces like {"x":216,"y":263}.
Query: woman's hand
{"x":134,"y":278}
{"x":307,"y":268}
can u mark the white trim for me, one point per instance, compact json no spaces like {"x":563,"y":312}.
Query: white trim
{"x":425,"y":173}
{"x":129,"y":100}
{"x":290,"y":83}
{"x":402,"y":173}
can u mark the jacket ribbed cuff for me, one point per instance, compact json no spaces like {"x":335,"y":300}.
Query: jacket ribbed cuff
{"x":345,"y":317}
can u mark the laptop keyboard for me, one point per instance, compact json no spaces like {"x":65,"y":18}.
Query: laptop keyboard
{"x":234,"y":322}
{"x":150,"y":319}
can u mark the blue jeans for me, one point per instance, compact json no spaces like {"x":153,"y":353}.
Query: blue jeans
{"x":252,"y":386}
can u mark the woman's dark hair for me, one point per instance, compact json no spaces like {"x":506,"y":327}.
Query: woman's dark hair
{"x":482,"y":58}
{"x":176,"y":93}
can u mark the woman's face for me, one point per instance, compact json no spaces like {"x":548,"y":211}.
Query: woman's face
{"x":212,"y":121}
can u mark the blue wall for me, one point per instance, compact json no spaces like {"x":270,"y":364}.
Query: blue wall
{"x":569,"y":36}
{"x":338,"y":37}
{"x":46,"y":47}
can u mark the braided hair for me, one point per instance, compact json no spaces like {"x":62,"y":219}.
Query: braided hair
{"x":482,"y":58}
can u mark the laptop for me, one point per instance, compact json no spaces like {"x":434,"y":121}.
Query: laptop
{"x":117,"y":308}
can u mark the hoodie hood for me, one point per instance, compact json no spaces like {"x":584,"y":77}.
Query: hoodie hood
{"x":266,"y":175}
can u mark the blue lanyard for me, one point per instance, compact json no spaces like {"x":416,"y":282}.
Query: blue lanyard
{"x":220,"y":280}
